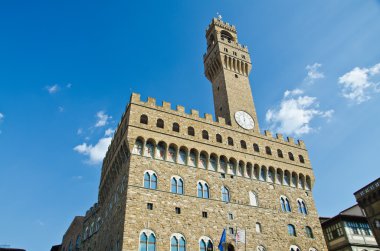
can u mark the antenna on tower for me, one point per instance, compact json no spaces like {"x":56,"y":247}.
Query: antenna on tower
{"x":219,"y":16}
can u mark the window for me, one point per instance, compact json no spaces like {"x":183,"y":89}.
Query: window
{"x":236,"y":76}
{"x":190,"y":131}
{"x":176,"y":185}
{"x":206,"y":245}
{"x":243,"y":144}
{"x":263,"y":173}
{"x":225,"y":194}
{"x":231,"y":230}
{"x":144,"y":119}
{"x":150,"y":180}
{"x":309,"y":232}
{"x":161,"y":151}
{"x":252,"y":199}
{"x":193,"y":158}
{"x":175,"y":127}
{"x":279,"y":153}
{"x":178,"y":210}
{"x":147,"y":244}
{"x":149,"y":206}
{"x":77,"y":243}
{"x":205,"y":134}
{"x":243,"y":56}
{"x":203,"y":190}
{"x":354,"y":227}
{"x":225,"y":49}
{"x":285,"y":204}
{"x":226,"y":35}
{"x":177,"y":243}
{"x":213,"y":162}
{"x":268,"y":150}
{"x":258,"y":227}
{"x":138,"y":147}
{"x":302,"y":160}
{"x":294,"y":248}
{"x":334,"y":231}
{"x":234,"y":52}
{"x":256,"y":148}
{"x":204,"y":214}
{"x":182,"y":156}
{"x":260,"y":248}
{"x":230,"y":216}
{"x":291,"y":157}
{"x":291,"y":230}
{"x":149,"y":149}
{"x":203,"y":160}
{"x":172,"y":156}
{"x":230,"y":141}
{"x":160,"y":123}
{"x":302,"y":207}
{"x":219,"y":138}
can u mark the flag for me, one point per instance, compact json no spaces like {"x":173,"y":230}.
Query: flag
{"x":240,"y":235}
{"x":222,"y":240}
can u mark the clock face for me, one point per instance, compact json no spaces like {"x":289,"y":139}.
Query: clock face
{"x":244,"y":120}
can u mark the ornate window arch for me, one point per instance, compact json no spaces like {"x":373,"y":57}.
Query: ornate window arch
{"x":175,"y":127}
{"x":230,"y":141}
{"x":205,"y":135}
{"x":268,"y":150}
{"x":291,"y":156}
{"x":225,"y":194}
{"x":261,"y":248}
{"x":203,"y":189}
{"x":256,"y":148}
{"x":302,"y":206}
{"x":147,"y":241}
{"x":206,"y":244}
{"x":243,"y":145}
{"x":279,"y":153}
{"x":219,"y":138}
{"x":150,"y":179}
{"x":160,"y":123}
{"x":144,"y":119}
{"x":190,"y":131}
{"x":177,"y":242}
{"x":309,"y":232}
{"x":301,"y":158}
{"x":176,"y":185}
{"x":285,"y":204}
{"x":294,"y":248}
{"x":291,"y":230}
{"x":138,"y":147}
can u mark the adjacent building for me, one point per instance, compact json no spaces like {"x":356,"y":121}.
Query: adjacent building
{"x":175,"y":180}
{"x":72,"y":238}
{"x":368,"y":199}
{"x":349,"y":231}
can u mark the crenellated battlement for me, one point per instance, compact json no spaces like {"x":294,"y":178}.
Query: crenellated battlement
{"x":208,"y":118}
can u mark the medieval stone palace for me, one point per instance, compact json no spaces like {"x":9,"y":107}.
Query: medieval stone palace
{"x":175,"y":181}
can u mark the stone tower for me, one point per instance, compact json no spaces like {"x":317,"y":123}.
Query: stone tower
{"x":227,"y":65}
{"x":175,"y":180}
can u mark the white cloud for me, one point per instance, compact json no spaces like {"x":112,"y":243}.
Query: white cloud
{"x":102,"y":119}
{"x":313,"y":73}
{"x":52,"y":89}
{"x":69,"y":85}
{"x":1,"y":116}
{"x":295,"y":113}
{"x":358,"y":85}
{"x":109,"y":132}
{"x":95,"y":152}
{"x":79,"y":131}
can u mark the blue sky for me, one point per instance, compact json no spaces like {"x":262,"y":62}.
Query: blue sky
{"x":67,"y":69}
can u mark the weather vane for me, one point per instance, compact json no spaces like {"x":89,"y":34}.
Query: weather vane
{"x":219,"y":16}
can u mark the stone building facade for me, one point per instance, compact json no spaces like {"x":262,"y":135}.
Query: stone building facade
{"x":349,"y":231}
{"x":368,"y":199}
{"x":72,"y":238}
{"x":173,"y":180}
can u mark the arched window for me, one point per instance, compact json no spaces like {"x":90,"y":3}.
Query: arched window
{"x":256,"y":148}
{"x":219,"y":138}
{"x":147,"y":243}
{"x":260,"y":248}
{"x":176,"y":185}
{"x":294,"y":248}
{"x":302,"y":207}
{"x":268,"y":150}
{"x":172,"y":153}
{"x":177,"y":243}
{"x":161,"y":151}
{"x":279,"y":153}
{"x":291,"y":230}
{"x":253,"y":199}
{"x":190,"y":131}
{"x":175,"y":127}
{"x":309,"y":232}
{"x":77,"y":243}
{"x":286,"y":178}
{"x":203,"y":190}
{"x":144,"y":119}
{"x":205,"y":244}
{"x":213,"y":162}
{"x":138,"y":147}
{"x":230,"y":141}
{"x":160,"y":123}
{"x":243,"y":144}
{"x":285,"y":204}
{"x":291,"y":157}
{"x":149,"y":149}
{"x":223,"y":164}
{"x":226,"y":35}
{"x":70,"y":246}
{"x":271,"y":174}
{"x":225,"y":194}
{"x":205,"y":134}
{"x":182,"y":156}
{"x":302,"y":160}
{"x":263,"y":173}
{"x":258,"y":227}
{"x":150,"y":180}
{"x":193,"y":158}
